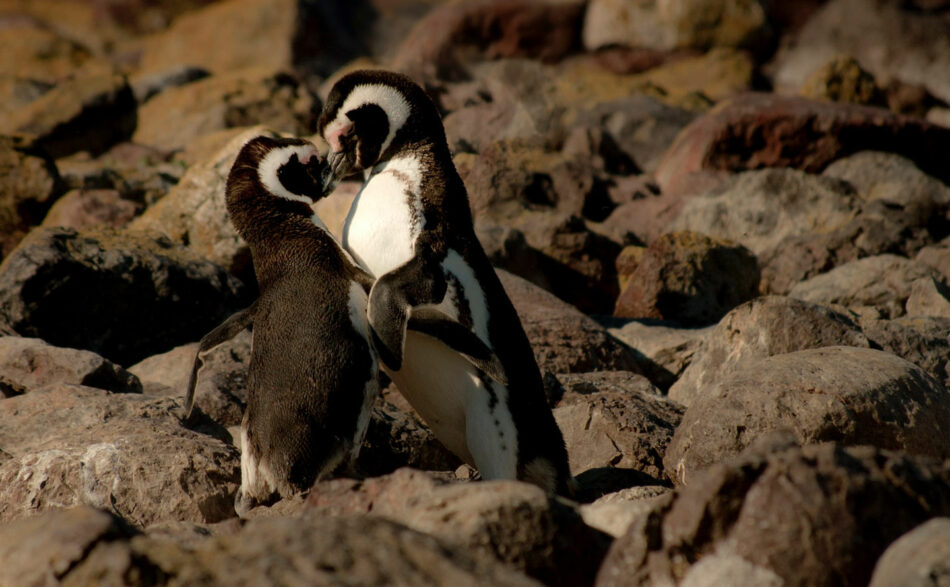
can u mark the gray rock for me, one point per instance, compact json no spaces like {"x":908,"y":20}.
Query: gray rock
{"x":918,"y":558}
{"x":876,"y":175}
{"x":671,"y":348}
{"x":760,"y":328}
{"x":876,"y":285}
{"x":126,"y":453}
{"x":123,"y":295}
{"x":844,"y":394}
{"x":30,"y":363}
{"x":924,"y":341}
{"x":614,"y":513}
{"x":79,"y":209}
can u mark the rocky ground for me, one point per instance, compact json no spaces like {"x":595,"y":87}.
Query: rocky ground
{"x":725,"y":225}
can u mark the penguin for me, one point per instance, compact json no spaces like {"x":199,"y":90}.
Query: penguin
{"x":312,"y":377}
{"x":411,"y":228}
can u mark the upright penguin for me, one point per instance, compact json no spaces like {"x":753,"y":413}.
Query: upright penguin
{"x":411,"y":227}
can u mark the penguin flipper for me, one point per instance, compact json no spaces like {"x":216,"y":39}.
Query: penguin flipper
{"x":460,"y":339}
{"x":221,"y":334}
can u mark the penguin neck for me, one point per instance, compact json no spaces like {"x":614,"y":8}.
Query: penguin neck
{"x":259,"y":218}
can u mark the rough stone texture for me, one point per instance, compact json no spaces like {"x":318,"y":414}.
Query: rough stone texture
{"x":920,"y":558}
{"x":30,"y":363}
{"x":80,"y":209}
{"x":761,"y":208}
{"x":689,"y":278}
{"x":606,"y":424}
{"x":892,"y":39}
{"x":924,"y":341}
{"x":843,"y":394}
{"x":147,"y":86}
{"x":842,"y":79}
{"x":508,"y":249}
{"x":86,"y":113}
{"x":489,"y":29}
{"x":754,"y":130}
{"x":33,"y":51}
{"x":937,"y":257}
{"x":276,"y":34}
{"x":928,"y":297}
{"x":818,"y":515}
{"x":879,"y":284}
{"x":669,"y":348}
{"x":123,"y":452}
{"x":564,"y":340}
{"x":760,"y":328}
{"x":510,"y":521}
{"x":396,"y":438}
{"x":246,"y":97}
{"x":125,"y":296}
{"x":194,"y":212}
{"x":29,"y":183}
{"x":615,"y":512}
{"x":695,"y":24}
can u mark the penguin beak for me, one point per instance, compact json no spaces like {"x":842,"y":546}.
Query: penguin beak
{"x":339,"y":165}
{"x":318,"y":168}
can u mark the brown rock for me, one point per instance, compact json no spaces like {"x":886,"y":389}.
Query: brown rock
{"x":125,"y":295}
{"x":936,"y":257}
{"x":614,"y":513}
{"x":564,"y":340}
{"x":114,"y":451}
{"x":30,"y":363}
{"x":396,"y":438}
{"x":928,"y":297}
{"x":29,"y":182}
{"x":818,"y":515}
{"x":489,"y":29}
{"x":16,"y":92}
{"x":88,"y":112}
{"x":752,"y":131}
{"x":86,"y":208}
{"x":689,"y":278}
{"x":880,"y":284}
{"x":247,"y":97}
{"x":763,"y":327}
{"x":670,"y":348}
{"x":916,"y":559}
{"x":609,"y":425}
{"x":921,"y":340}
{"x":842,"y":80}
{"x":844,"y":394}
{"x":33,"y":51}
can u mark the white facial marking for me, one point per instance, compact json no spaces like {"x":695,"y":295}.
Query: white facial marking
{"x":388,"y":98}
{"x":267,"y":170}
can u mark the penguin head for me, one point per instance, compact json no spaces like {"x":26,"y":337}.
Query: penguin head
{"x":291,"y":169}
{"x":371,"y":116}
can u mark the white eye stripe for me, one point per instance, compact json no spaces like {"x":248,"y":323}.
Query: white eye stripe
{"x":271,"y":163}
{"x":388,"y":98}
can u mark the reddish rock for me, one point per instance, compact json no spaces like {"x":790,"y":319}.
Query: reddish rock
{"x":489,"y":29}
{"x":689,"y":278}
{"x":753,"y":130}
{"x":85,"y":208}
{"x":29,"y":183}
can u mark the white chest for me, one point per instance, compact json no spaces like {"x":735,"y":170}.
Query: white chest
{"x":385,"y":219}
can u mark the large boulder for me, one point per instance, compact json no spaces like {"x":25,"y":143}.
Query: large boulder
{"x":124,"y":452}
{"x":782,"y":515}
{"x":760,"y":328}
{"x":125,"y":296}
{"x":29,"y":183}
{"x":844,"y":394}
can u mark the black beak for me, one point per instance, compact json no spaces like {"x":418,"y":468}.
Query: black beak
{"x":340,"y":165}
{"x":318,"y":169}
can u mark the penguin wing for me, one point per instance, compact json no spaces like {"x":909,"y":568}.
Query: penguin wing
{"x":221,"y":334}
{"x":460,"y":339}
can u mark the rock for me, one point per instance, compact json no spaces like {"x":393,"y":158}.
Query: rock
{"x":614,"y":513}
{"x":29,"y":183}
{"x":247,"y":97}
{"x":928,"y":297}
{"x":33,"y":51}
{"x":80,"y":209}
{"x":916,"y":559}
{"x":891,"y":39}
{"x":512,"y":522}
{"x":42,"y":550}
{"x":341,"y":497}
{"x":30,"y":363}
{"x":695,"y":83}
{"x":360,"y":550}
{"x":149,"y":85}
{"x":85,"y":113}
{"x":125,"y":295}
{"x":221,"y":392}
{"x":194,"y":212}
{"x":456,"y":32}
{"x":879,"y":284}
{"x":842,"y":79}
{"x":508,"y":249}
{"x":689,"y":278}
{"x":878,"y":175}
{"x":761,"y":208}
{"x":729,"y":569}
{"x":670,"y":348}
{"x":397,"y":439}
{"x":753,"y":130}
{"x":123,"y":452}
{"x":610,"y":425}
{"x":763,"y":327}
{"x":307,"y":37}
{"x":141,"y":174}
{"x":564,"y":340}
{"x":698,"y":24}
{"x":921,"y":340}
{"x":817,"y":515}
{"x":16,"y":93}
{"x":843,"y":394}
{"x":936,"y":257}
